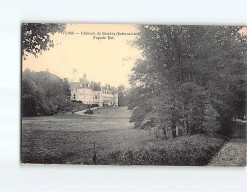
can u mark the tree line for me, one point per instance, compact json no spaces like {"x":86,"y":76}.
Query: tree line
{"x":190,"y":79}
{"x":43,"y":93}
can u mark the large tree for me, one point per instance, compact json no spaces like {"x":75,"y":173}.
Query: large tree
{"x":122,"y":96}
{"x":36,"y":37}
{"x":185,"y":70}
{"x":44,"y":93}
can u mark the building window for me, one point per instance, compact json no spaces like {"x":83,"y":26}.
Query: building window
{"x":74,"y":96}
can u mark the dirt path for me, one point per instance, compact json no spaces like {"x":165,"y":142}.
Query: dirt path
{"x":83,"y":111}
{"x":233,"y":153}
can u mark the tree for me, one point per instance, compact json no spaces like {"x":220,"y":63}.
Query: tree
{"x":210,"y":123}
{"x":122,"y":96}
{"x":182,"y":68}
{"x":36,"y":37}
{"x":43,"y":93}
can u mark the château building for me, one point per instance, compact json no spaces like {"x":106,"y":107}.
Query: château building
{"x":93,"y":93}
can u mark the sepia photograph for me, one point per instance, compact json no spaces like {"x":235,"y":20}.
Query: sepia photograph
{"x":125,"y":94}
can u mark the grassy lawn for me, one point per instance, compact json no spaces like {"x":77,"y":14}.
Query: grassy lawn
{"x":233,"y":153}
{"x":107,"y":137}
{"x":194,"y":150}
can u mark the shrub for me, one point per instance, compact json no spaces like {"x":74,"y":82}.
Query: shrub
{"x":195,"y":150}
{"x":210,"y":124}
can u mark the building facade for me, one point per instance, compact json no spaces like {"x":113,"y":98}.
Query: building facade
{"x":93,"y":93}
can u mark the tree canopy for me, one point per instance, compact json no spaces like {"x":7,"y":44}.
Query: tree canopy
{"x":36,"y":37}
{"x":122,"y":96}
{"x":43,"y":93}
{"x":189,"y":77}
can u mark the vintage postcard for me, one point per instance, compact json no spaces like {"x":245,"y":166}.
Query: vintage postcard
{"x":121,"y":94}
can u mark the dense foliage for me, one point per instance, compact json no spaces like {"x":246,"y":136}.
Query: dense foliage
{"x":122,"y":96}
{"x":36,"y":37}
{"x":43,"y":93}
{"x":190,"y":78}
{"x":195,"y":150}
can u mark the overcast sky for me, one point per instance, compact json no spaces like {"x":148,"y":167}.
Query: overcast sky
{"x":103,"y":60}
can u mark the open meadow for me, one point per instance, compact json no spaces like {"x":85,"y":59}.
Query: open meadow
{"x":107,"y":137}
{"x":74,"y":138}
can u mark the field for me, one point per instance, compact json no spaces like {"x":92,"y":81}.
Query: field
{"x":107,"y":137}
{"x":74,"y":138}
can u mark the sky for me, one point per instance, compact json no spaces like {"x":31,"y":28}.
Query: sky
{"x":102,"y":60}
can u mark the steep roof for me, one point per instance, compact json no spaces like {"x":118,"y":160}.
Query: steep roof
{"x":84,"y":79}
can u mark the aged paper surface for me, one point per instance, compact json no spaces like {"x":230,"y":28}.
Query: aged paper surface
{"x":119,"y":94}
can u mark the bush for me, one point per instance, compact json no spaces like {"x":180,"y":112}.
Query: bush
{"x":210,"y":124}
{"x":43,"y":92}
{"x":195,"y":150}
